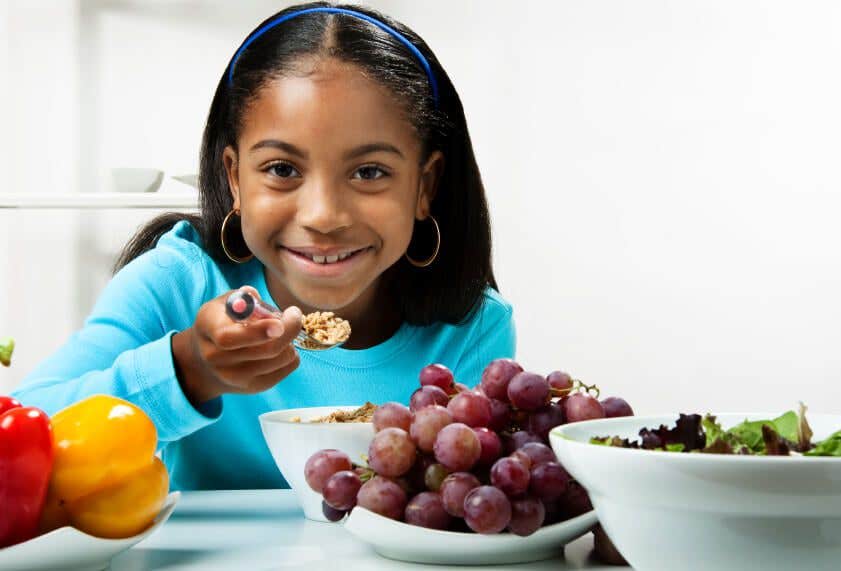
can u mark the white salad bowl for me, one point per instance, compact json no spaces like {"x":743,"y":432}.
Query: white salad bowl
{"x":672,"y":510}
{"x":292,"y":443}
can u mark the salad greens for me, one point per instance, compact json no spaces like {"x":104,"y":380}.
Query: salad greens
{"x":780,"y":436}
{"x":7,"y":346}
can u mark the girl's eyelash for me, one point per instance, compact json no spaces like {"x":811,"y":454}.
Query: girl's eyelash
{"x":385,"y":172}
{"x":274,"y":164}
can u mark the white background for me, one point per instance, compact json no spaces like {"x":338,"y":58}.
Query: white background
{"x":663,"y":176}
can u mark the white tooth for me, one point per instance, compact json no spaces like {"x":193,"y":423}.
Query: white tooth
{"x":344,"y":256}
{"x":318,"y":259}
{"x":332,"y":259}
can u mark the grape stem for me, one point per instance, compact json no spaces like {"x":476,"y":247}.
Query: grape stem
{"x":577,"y":386}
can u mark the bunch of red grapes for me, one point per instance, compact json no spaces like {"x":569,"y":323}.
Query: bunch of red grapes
{"x":461,"y":459}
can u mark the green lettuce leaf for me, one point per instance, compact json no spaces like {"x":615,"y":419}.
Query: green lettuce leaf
{"x":829,"y":447}
{"x":749,"y":433}
{"x":712,"y":429}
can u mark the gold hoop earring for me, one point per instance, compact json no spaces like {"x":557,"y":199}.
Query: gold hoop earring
{"x":234,"y":258}
{"x":430,"y":259}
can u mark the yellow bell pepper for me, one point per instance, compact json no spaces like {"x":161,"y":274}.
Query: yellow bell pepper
{"x":106,"y":480}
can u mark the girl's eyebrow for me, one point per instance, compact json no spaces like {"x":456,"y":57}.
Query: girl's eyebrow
{"x":281,"y":145}
{"x":372,"y":148}
{"x":351,"y":154}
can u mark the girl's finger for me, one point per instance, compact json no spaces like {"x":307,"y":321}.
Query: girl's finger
{"x":269,"y":349}
{"x":266,"y":380}
{"x":272,"y":378}
{"x":254,"y":369}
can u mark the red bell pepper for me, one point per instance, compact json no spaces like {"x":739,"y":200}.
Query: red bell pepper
{"x":26,"y":461}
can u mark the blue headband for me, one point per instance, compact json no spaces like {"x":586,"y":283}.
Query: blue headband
{"x":388,"y":29}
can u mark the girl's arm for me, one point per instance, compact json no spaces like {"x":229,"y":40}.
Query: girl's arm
{"x":124,"y":348}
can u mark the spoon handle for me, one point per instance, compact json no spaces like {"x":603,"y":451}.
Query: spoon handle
{"x":241,"y":306}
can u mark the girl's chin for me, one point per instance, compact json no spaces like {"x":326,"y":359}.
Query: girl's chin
{"x":324,"y":300}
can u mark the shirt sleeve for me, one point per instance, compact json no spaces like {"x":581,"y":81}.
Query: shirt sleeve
{"x":124,"y":348}
{"x":493,"y":336}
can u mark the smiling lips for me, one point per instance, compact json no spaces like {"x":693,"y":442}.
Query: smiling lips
{"x":326,"y":257}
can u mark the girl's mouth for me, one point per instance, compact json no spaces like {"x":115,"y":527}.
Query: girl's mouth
{"x":333,"y":263}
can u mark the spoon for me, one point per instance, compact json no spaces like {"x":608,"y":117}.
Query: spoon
{"x":241,"y":305}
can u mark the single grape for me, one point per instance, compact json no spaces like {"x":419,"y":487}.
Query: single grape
{"x":510,"y":476}
{"x":437,"y":375}
{"x":383,"y":496}
{"x":470,"y":408}
{"x":575,"y":501}
{"x":487,"y":510}
{"x":548,"y":481}
{"x":527,"y":515}
{"x":427,"y":424}
{"x":427,"y":510}
{"x":324,"y":464}
{"x":454,"y":489}
{"x":434,"y":475}
{"x":341,"y":488}
{"x":500,"y":415}
{"x":528,"y":391}
{"x":518,"y":439}
{"x":522,"y":457}
{"x":559,"y":381}
{"x":392,"y":415}
{"x":538,"y":453}
{"x":428,"y":396}
{"x":615,"y":406}
{"x":497,"y":375}
{"x":391,"y":452}
{"x":581,"y":406}
{"x":545,"y":419}
{"x":457,"y":447}
{"x":491,"y":446}
{"x":331,"y":513}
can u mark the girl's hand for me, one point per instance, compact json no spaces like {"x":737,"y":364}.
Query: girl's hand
{"x":218,"y":355}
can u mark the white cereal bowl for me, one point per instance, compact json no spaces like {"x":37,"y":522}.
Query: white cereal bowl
{"x":669,"y":510}
{"x":292,"y":444}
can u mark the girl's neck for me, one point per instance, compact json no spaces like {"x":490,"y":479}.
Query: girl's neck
{"x":373,"y":316}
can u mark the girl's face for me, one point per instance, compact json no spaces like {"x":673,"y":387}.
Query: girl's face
{"x":328,"y":176}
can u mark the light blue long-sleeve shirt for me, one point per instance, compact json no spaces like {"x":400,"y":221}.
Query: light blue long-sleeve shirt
{"x":124,"y":349}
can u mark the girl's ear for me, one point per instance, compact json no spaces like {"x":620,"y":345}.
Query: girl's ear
{"x":430,"y":177}
{"x":229,"y":158}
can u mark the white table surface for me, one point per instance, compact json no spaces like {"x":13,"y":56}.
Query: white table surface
{"x":265,"y":529}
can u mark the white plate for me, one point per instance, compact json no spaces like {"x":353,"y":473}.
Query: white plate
{"x":404,"y":542}
{"x":70,"y":549}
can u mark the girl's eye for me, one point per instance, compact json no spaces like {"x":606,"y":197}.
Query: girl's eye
{"x":283,"y":170}
{"x":369,"y":172}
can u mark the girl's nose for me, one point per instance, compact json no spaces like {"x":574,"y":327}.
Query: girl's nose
{"x":322,"y":208}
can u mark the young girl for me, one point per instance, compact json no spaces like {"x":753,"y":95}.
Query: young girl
{"x":336,"y":174}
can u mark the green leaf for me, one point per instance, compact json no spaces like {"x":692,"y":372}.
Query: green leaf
{"x":786,"y":425}
{"x":749,"y":433}
{"x":612,"y":441}
{"x":676,"y":447}
{"x":7,"y":346}
{"x":829,"y":447}
{"x":712,"y":429}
